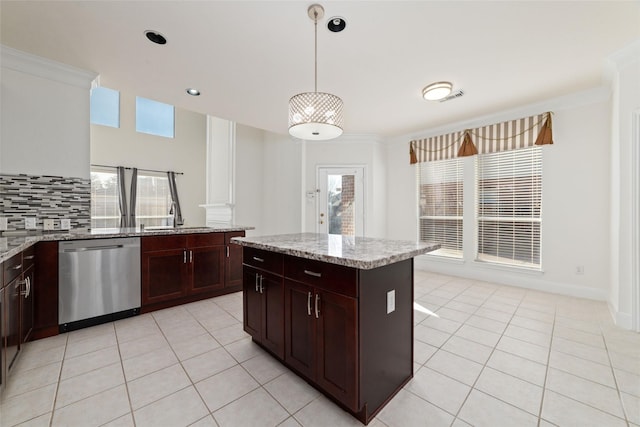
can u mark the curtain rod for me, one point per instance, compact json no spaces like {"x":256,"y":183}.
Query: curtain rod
{"x":126,"y":167}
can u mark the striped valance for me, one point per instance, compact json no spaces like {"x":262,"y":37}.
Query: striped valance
{"x":509,"y":135}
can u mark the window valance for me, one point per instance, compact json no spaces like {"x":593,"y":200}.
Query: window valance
{"x":505,"y":136}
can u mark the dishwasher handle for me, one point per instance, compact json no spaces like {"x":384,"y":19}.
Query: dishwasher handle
{"x":93,"y":248}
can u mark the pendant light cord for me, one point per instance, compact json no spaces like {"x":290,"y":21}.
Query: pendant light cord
{"x":315,"y":24}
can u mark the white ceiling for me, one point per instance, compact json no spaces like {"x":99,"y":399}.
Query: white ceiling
{"x":249,"y":57}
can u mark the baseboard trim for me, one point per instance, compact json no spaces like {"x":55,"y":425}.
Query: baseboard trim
{"x":523,"y":279}
{"x":622,"y":320}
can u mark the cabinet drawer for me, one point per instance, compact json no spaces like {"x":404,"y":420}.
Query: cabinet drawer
{"x":331,"y":277}
{"x":205,"y":239}
{"x":161,"y":243}
{"x":264,"y":260}
{"x":29,"y":257}
{"x":12,"y":268}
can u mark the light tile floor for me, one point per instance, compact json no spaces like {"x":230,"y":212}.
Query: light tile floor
{"x":485,"y":355}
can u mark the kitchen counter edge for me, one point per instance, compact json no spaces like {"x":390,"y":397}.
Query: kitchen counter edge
{"x":13,"y":245}
{"x":373,"y":252}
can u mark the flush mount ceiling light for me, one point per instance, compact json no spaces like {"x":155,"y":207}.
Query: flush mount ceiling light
{"x":193,"y":92}
{"x":315,"y":115}
{"x":437,"y":91}
{"x":155,"y":37}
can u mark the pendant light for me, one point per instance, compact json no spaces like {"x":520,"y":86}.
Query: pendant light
{"x":315,"y":115}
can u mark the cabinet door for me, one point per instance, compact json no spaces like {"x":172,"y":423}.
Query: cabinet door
{"x":26,"y":298}
{"x":252,"y":304}
{"x":206,"y":267}
{"x":272,"y":291}
{"x":11,"y":321}
{"x":163,"y":275}
{"x":233,"y":264}
{"x":299,"y":327}
{"x":336,"y":345}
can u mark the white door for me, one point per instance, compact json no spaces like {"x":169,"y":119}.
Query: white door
{"x":341,"y":201}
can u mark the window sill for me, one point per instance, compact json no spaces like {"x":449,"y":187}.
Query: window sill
{"x":441,"y":258}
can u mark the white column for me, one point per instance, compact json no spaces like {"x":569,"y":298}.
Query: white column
{"x":221,"y":152}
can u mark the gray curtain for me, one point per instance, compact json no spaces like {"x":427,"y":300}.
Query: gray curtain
{"x":132,"y":197}
{"x":174,"y":196}
{"x":122,"y":198}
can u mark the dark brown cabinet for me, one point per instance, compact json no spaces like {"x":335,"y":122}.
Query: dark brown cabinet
{"x":233,"y":263}
{"x":16,"y":307}
{"x":181,"y":268}
{"x":339,"y":332}
{"x":263,"y":299}
{"x":321,"y":337}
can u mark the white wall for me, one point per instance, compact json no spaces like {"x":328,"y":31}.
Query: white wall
{"x":44,"y":116}
{"x":575,"y":200}
{"x":281,"y":185}
{"x":249,"y":178}
{"x":351,"y":150}
{"x":186,"y":153}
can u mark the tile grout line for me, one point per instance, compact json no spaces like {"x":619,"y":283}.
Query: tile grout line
{"x":456,"y":416}
{"x":546,"y":372}
{"x":615,"y":380}
{"x":126,"y":383}
{"x":55,"y":396}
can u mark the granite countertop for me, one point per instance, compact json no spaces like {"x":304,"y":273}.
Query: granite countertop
{"x":14,"y":244}
{"x":357,"y":252}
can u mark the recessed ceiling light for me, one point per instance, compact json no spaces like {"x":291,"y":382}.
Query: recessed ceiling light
{"x":437,"y":91}
{"x":336,"y":24}
{"x":193,"y":92}
{"x":155,"y":37}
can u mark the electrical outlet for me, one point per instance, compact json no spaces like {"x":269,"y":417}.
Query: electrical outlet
{"x":30,"y":223}
{"x":3,"y":223}
{"x":47,"y":224}
{"x":391,"y":301}
{"x":580,"y":269}
{"x":65,"y":224}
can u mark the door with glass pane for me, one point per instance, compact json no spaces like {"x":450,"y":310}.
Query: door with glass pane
{"x":340,"y":201}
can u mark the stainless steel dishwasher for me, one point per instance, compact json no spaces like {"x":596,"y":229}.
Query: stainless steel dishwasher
{"x":99,"y":281}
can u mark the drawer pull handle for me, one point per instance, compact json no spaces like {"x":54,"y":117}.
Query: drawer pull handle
{"x":29,"y":257}
{"x":17,"y":267}
{"x":255,"y":258}
{"x":309,"y":304}
{"x":312,"y":273}
{"x":317,"y":306}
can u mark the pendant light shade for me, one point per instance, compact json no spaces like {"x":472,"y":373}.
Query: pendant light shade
{"x":315,"y":115}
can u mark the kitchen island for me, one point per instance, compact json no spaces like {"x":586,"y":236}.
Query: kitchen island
{"x":337,"y":310}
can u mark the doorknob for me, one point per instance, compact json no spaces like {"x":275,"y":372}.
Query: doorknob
{"x":321,"y":222}
{"x":321,"y":214}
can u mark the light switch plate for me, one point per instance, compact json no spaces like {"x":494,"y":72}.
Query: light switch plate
{"x":29,"y":223}
{"x":65,"y":224}
{"x":391,"y":301}
{"x":3,"y":223}
{"x":48,"y":224}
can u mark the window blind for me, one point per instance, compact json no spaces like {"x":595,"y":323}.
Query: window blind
{"x":509,"y":207}
{"x":440,"y":205}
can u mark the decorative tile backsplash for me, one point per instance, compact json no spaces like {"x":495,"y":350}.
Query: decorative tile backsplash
{"x":45,"y":197}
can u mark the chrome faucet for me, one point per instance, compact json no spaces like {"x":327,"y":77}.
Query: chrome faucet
{"x":174,"y":212}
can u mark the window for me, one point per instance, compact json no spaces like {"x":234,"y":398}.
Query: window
{"x":105,"y":208}
{"x":154,"y":117}
{"x":440,"y":205}
{"x":153,"y":202}
{"x":105,"y":107}
{"x":509,"y":207}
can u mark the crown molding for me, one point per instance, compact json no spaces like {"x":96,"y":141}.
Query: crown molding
{"x":42,"y":67}
{"x":574,"y":100}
